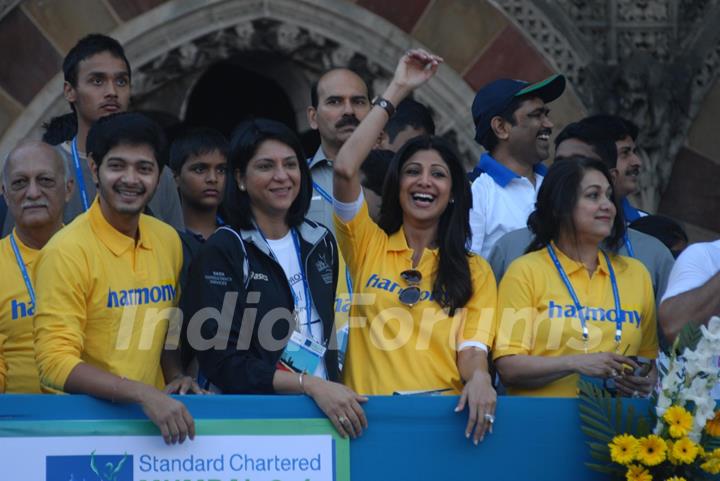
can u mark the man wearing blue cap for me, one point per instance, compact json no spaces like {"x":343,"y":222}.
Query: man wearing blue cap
{"x":512,"y":123}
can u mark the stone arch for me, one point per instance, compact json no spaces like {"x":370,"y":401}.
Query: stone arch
{"x":181,"y":38}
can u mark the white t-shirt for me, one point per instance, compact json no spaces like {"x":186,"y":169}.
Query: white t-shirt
{"x":502,"y":202}
{"x":284,"y":251}
{"x":693,"y":268}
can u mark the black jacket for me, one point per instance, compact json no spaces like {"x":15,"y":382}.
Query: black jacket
{"x":237,"y":354}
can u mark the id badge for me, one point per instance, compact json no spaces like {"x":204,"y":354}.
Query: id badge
{"x":302,"y":353}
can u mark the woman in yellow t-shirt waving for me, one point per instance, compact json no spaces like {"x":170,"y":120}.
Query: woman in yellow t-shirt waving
{"x":568,"y":308}
{"x":422,"y":310}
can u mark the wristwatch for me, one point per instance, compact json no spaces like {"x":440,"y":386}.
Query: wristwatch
{"x":384,"y":104}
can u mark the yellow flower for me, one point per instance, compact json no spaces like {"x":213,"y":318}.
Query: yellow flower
{"x":670,"y":456}
{"x":712,"y":427}
{"x":676,"y":478}
{"x":712,"y":462}
{"x":623,"y":449}
{"x":685,"y":451}
{"x":637,"y":473}
{"x":679,"y":421}
{"x":651,"y":450}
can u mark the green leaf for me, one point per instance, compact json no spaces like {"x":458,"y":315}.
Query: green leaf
{"x":643,"y":426}
{"x":598,"y":425}
{"x":710,"y":443}
{"x":611,"y":470}
{"x":688,"y":338}
{"x":602,"y":437}
{"x":618,"y":415}
{"x":630,"y":419}
{"x":599,"y":447}
{"x":600,"y":457}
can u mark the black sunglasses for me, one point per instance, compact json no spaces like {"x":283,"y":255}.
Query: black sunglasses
{"x":410,"y":295}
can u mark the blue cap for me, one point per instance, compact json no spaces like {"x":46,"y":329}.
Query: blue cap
{"x":494,"y":98}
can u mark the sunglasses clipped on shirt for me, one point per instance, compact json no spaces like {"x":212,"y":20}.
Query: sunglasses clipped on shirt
{"x":410,"y":295}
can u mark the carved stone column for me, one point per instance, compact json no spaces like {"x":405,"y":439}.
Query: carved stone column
{"x":650,"y":61}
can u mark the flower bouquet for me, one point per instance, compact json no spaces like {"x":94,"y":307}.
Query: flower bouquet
{"x":685,"y":441}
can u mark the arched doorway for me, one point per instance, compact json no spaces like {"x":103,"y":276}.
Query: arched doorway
{"x":228,"y":93}
{"x":172,"y":46}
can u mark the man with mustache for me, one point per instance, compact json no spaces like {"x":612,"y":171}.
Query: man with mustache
{"x":36,"y":184}
{"x":339,"y":101}
{"x":512,"y":122}
{"x":581,"y":138}
{"x":626,"y":173}
{"x":98,"y":83}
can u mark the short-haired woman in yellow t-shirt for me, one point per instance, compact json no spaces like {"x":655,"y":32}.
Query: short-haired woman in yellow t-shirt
{"x":416,"y":323}
{"x":568,"y":308}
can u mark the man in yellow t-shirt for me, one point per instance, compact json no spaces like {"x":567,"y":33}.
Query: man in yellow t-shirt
{"x":36,"y":186}
{"x":537,"y":316}
{"x":107,"y":285}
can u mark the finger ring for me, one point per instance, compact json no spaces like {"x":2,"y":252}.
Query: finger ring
{"x":613,"y":373}
{"x":635,"y":393}
{"x":342,"y":419}
{"x":489,"y":418}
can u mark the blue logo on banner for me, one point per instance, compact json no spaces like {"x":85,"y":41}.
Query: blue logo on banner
{"x":87,"y":468}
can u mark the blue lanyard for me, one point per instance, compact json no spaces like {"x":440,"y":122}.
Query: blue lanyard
{"x":628,"y":245}
{"x":323,"y":193}
{"x":23,"y":269}
{"x":306,"y":284}
{"x":79,"y":175}
{"x":328,"y":198}
{"x":576,"y":301}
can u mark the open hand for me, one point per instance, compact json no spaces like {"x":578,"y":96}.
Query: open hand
{"x":637,"y":386}
{"x":415,"y":68}
{"x":601,"y":364}
{"x":170,"y":416}
{"x":481,"y":399}
{"x":340,"y":404}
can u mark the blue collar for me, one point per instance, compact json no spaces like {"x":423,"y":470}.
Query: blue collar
{"x":501,"y":174}
{"x":631,"y":213}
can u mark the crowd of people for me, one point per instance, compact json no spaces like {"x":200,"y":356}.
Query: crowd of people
{"x":375,"y":266}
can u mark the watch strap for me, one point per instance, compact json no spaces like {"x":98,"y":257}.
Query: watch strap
{"x":384,"y":104}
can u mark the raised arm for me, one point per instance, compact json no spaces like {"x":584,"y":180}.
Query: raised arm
{"x":414,"y":69}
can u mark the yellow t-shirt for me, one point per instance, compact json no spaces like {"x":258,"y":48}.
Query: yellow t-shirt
{"x":16,"y":314}
{"x":394,"y":347}
{"x":101,"y":299}
{"x":536,"y":315}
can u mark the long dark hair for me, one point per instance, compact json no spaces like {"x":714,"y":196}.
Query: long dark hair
{"x":244,"y":143}
{"x":558,"y":197}
{"x":452,"y":287}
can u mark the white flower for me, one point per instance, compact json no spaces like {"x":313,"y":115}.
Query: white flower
{"x":663,"y":404}
{"x":699,"y":361}
{"x":672,"y":380}
{"x":711,"y":332}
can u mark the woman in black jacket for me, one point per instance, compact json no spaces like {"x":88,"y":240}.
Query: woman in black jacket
{"x":258,"y":306}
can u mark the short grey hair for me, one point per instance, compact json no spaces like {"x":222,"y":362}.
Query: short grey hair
{"x":23,"y":144}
